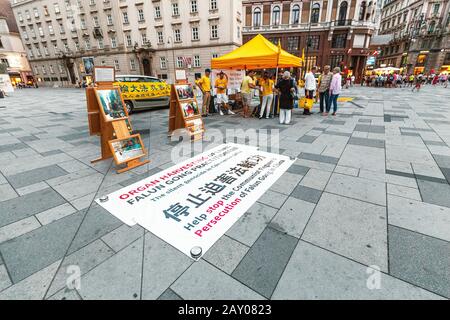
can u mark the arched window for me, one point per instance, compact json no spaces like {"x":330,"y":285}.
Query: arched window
{"x":315,"y":13}
{"x":342,"y":13}
{"x":362,"y":11}
{"x":296,"y":14}
{"x":431,"y":26}
{"x":257,"y":17}
{"x":276,"y":15}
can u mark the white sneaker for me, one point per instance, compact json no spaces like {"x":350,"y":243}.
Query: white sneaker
{"x":230,"y":112}
{"x":221,"y":113}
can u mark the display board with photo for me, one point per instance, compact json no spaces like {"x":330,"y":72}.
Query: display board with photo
{"x":127,"y":149}
{"x":190,"y":109}
{"x":184,"y":92}
{"x":88,"y":64}
{"x":111,"y":104}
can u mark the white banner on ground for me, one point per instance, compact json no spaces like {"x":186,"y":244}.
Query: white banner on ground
{"x":194,"y":203}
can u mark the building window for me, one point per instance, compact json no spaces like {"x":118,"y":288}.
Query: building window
{"x":175,"y":9}
{"x":179,"y":62}
{"x":61,"y":28}
{"x":77,"y":46}
{"x":56,"y":7}
{"x":194,"y":6}
{"x":436,"y":8}
{"x":195,"y":33}
{"x":41,"y":31}
{"x":83,"y":23}
{"x":46,"y":50}
{"x":315,"y":13}
{"x":177,"y":33}
{"x":338,"y":40}
{"x":61,"y":69}
{"x":431,"y":26}
{"x":336,"y":60}
{"x":163,"y":62}
{"x":157,"y":12}
{"x":101,"y":44}
{"x":362,"y":11}
{"x":133,"y":64}
{"x":214,"y":31}
{"x":160,"y":37}
{"x":141,"y":16}
{"x":144,"y":38}
{"x":36,"y":70}
{"x":213,"y":4}
{"x":293,"y":43}
{"x":238,"y":32}
{"x":116,"y":64}
{"x":313,"y":42}
{"x":126,"y":20}
{"x":96,"y":22}
{"x":52,"y":71}
{"x":129,"y":40}
{"x":113,"y":42}
{"x":215,"y":55}
{"x":295,"y":14}
{"x":87,"y":45}
{"x":342,"y":13}
{"x":257,"y":17}
{"x":196,"y":61}
{"x":109,"y":19}
{"x":276,"y":15}
{"x":44,"y":70}
{"x":36,"y":13}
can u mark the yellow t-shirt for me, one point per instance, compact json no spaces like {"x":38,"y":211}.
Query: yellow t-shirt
{"x":245,"y":88}
{"x":221,"y":85}
{"x":267,"y":86}
{"x":205,"y":83}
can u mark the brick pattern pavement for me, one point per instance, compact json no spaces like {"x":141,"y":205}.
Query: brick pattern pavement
{"x":370,"y":187}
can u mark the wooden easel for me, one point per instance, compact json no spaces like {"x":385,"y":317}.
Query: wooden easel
{"x":108,"y":129}
{"x":177,"y":119}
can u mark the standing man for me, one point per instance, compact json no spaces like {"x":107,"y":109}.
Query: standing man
{"x":324,"y":88}
{"x":246,"y":88}
{"x":267,"y":86}
{"x":335,"y":90}
{"x":221,"y":86}
{"x":310,"y":87}
{"x":205,"y":86}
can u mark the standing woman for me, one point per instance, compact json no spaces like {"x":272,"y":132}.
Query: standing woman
{"x":335,"y":90}
{"x":286,"y":88}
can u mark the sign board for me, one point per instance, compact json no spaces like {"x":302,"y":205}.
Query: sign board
{"x":192,"y":204}
{"x":5,"y":83}
{"x":180,"y":75}
{"x":104,"y":74}
{"x":235,"y":78}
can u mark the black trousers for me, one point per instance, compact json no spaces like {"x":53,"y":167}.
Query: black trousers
{"x":324,"y":98}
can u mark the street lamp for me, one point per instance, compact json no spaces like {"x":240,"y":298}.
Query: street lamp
{"x":170,"y":41}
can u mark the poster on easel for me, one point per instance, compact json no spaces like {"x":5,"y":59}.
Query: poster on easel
{"x":109,"y":119}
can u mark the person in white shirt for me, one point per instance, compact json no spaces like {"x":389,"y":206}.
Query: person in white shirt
{"x":310,"y":86}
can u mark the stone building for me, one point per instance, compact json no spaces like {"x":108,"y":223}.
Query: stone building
{"x":64,"y":37}
{"x":334,"y":32}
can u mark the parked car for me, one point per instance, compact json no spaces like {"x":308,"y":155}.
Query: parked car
{"x":143,"y":92}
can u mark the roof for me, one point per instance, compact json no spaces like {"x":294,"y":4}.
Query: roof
{"x":7,"y":13}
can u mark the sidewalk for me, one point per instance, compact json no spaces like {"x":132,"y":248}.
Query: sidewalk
{"x":370,"y":187}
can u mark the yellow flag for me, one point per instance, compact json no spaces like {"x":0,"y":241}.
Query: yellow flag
{"x":303,"y":56}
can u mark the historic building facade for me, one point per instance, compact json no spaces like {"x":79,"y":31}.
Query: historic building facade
{"x":12,"y":52}
{"x":64,"y":37}
{"x":334,"y":32}
{"x":419,"y":35}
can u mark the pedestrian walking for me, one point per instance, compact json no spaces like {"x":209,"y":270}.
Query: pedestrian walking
{"x":324,"y":88}
{"x":418,"y":84}
{"x":267,"y":86}
{"x":286,"y":89}
{"x":335,"y":90}
{"x":246,"y":88}
{"x":204,"y":83}
{"x":310,"y":87}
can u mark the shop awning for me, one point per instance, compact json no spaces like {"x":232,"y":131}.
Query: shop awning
{"x":258,"y":53}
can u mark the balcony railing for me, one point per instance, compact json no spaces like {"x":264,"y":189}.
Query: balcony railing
{"x":307,"y":25}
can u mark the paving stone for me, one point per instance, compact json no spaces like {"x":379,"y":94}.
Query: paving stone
{"x":442,"y":161}
{"x":435,"y":193}
{"x":65,"y":294}
{"x":347,"y":170}
{"x":83,"y":202}
{"x":369,"y":128}
{"x":293,"y":217}
{"x":273,"y":199}
{"x":37,"y":175}
{"x":97,"y":223}
{"x":446,"y":173}
{"x":80,"y":187}
{"x":226,"y":254}
{"x":399,"y":166}
{"x":118,"y":278}
{"x":307,"y":139}
{"x":7,"y":193}
{"x":299,"y":170}
{"x":337,"y":133}
{"x":315,"y":165}
{"x":22,"y":207}
{"x":18,"y":228}
{"x":307,"y":194}
{"x":339,"y":224}
{"x":420,"y":217}
{"x":314,"y":273}
{"x":420,"y":260}
{"x":319,"y":158}
{"x":33,"y":287}
{"x":211,"y":284}
{"x":123,"y":236}
{"x":59,"y":212}
{"x":32,"y":188}
{"x":366,"y":142}
{"x":12,"y":147}
{"x":86,"y":259}
{"x":250,"y":226}
{"x":364,"y":158}
{"x":316,"y":179}
{"x":287,"y":183}
{"x":5,"y":282}
{"x":169,"y":294}
{"x":358,"y":188}
{"x":429,"y":171}
{"x":263,"y":265}
{"x":37,"y":249}
{"x":405,"y":192}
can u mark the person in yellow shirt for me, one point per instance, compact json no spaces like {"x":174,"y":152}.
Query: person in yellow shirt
{"x":246,"y":88}
{"x":204,"y":83}
{"x":267,"y":86}
{"x":221,"y":86}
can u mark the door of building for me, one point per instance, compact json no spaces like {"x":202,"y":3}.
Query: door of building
{"x":147,"y":67}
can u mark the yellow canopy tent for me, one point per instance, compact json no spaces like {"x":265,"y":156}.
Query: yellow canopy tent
{"x":258,"y":53}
